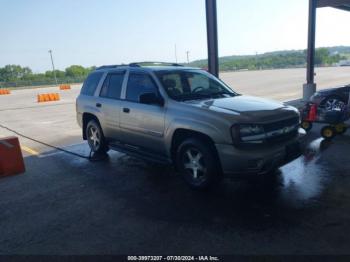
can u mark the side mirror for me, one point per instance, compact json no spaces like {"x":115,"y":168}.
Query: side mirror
{"x":151,"y":99}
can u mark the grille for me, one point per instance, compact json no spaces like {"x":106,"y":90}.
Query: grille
{"x":280,"y":125}
{"x":282,"y":138}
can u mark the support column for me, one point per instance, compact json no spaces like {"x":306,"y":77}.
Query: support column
{"x":310,"y":87}
{"x":212,"y":37}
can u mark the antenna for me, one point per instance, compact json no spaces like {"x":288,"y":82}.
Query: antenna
{"x":175,"y":53}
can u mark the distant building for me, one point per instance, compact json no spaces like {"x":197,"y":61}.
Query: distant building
{"x":344,"y":63}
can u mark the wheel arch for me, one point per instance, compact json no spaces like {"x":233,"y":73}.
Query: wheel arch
{"x":182,"y":134}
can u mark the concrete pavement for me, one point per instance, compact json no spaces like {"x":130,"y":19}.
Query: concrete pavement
{"x":65,"y":205}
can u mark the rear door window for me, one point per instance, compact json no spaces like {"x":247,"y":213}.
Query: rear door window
{"x":112,"y":85}
{"x":91,"y":83}
{"x":139,"y":83}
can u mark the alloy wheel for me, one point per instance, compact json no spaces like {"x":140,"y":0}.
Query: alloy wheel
{"x":193,"y":161}
{"x":94,"y":138}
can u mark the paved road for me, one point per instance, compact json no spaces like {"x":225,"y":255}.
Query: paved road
{"x":51,"y":122}
{"x":284,"y":84}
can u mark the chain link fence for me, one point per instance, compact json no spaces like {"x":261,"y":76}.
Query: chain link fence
{"x":38,"y":83}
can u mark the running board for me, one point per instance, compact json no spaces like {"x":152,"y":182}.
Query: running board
{"x":139,"y":153}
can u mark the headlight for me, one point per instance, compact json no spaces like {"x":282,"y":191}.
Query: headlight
{"x":250,"y":130}
{"x":248,"y":133}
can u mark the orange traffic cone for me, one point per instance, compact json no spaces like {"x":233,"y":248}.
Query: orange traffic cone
{"x":51,"y":97}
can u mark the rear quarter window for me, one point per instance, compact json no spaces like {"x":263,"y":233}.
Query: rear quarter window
{"x":112,"y":86}
{"x":91,"y":83}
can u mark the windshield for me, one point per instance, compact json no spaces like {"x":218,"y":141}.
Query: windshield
{"x":193,"y":84}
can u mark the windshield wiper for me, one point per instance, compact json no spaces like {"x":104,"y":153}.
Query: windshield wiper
{"x":223,"y":93}
{"x":193,"y":96}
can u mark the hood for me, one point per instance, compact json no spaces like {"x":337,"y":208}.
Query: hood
{"x":248,"y":108}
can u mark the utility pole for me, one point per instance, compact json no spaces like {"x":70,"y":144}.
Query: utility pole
{"x":53,"y":67}
{"x":175,"y":53}
{"x":188,"y":56}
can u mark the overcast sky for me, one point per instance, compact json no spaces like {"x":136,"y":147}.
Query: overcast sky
{"x":90,"y":32}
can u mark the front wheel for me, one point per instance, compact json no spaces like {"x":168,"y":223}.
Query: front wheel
{"x":197,"y":163}
{"x":95,"y":138}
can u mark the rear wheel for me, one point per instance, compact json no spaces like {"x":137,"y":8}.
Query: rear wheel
{"x":197,"y":163}
{"x":95,"y":138}
{"x":328,"y":132}
{"x":340,"y":128}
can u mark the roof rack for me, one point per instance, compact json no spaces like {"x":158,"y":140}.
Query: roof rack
{"x":110,"y":67}
{"x":149,"y":63}
{"x":138,"y":64}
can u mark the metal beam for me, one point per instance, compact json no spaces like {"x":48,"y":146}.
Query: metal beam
{"x":311,"y":42}
{"x":332,"y":3}
{"x":310,"y":87}
{"x":212,"y":37}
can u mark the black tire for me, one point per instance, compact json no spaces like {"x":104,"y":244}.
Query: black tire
{"x":340,"y":128}
{"x":306,"y":125}
{"x":95,"y":138}
{"x":328,"y":132}
{"x":200,"y":170}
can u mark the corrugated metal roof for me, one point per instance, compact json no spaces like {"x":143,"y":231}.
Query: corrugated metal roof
{"x":340,"y":4}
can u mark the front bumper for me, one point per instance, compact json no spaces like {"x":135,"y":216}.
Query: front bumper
{"x":259,"y":160}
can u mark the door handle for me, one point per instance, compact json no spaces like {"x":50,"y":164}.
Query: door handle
{"x":126,"y":110}
{"x":98,"y":105}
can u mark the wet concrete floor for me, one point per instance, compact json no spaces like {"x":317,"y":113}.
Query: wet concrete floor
{"x":122,"y":205}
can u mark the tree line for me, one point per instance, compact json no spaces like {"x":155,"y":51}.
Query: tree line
{"x":16,"y":73}
{"x":274,"y":60}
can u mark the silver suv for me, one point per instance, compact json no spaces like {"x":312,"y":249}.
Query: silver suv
{"x":185,"y":116}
